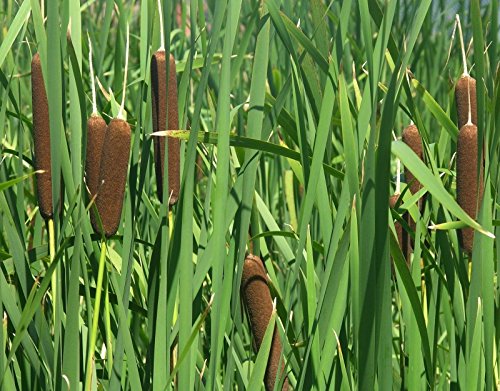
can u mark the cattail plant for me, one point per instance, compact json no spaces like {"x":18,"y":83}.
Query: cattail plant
{"x":96,"y":131}
{"x":465,"y":90}
{"x":41,"y":136}
{"x":165,"y":117}
{"x":469,"y":184}
{"x":258,"y":301}
{"x":41,"y":133}
{"x":113,"y":167}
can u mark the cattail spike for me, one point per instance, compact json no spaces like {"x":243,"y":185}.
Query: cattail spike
{"x":112,"y":176}
{"x":162,"y":99}
{"x":469,"y":187}
{"x":41,"y":138}
{"x":411,"y":137}
{"x":465,"y":101}
{"x":259,"y":304}
{"x":96,"y":132}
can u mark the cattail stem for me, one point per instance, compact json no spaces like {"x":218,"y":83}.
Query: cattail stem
{"x":109,"y":334}
{"x":95,"y":318}
{"x":122,"y":105}
{"x":52,"y":254}
{"x":162,"y":29}
{"x":464,"y":57}
{"x":92,"y":80}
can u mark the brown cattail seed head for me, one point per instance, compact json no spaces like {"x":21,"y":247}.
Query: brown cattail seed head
{"x":41,"y":135}
{"x":112,"y":176}
{"x":96,"y":131}
{"x":466,"y":85}
{"x":404,"y":239}
{"x":412,"y":138}
{"x":469,"y":190}
{"x":160,"y":97}
{"x":258,"y":301}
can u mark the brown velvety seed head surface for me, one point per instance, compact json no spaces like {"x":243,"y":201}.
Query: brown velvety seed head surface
{"x":113,"y":176}
{"x":160,"y":97}
{"x":96,"y":131}
{"x":41,"y":136}
{"x":468,"y":193}
{"x":412,"y":138}
{"x":462,"y":100}
{"x":258,"y":301}
{"x":404,"y":239}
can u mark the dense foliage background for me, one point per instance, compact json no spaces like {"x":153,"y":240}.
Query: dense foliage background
{"x":291,"y":108}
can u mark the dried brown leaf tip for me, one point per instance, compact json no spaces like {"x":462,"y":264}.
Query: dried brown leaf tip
{"x":41,"y":136}
{"x":165,"y":117}
{"x":469,"y":187}
{"x":259,"y":304}
{"x":112,"y":176}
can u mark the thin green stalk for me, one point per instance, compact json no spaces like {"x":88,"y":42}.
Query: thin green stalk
{"x":52,"y":254}
{"x":95,"y":319}
{"x":109,"y":331}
